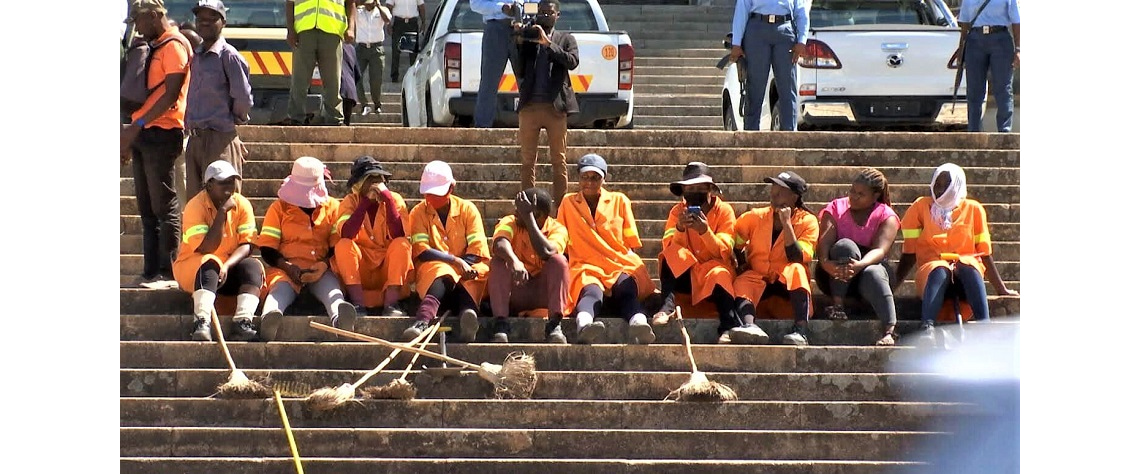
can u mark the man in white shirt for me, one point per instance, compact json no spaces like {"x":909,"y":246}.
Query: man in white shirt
{"x":372,"y":20}
{"x":406,"y":19}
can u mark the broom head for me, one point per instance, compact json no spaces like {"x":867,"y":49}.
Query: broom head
{"x":240,"y":386}
{"x":516,"y":377}
{"x":398,"y":389}
{"x":700,"y":389}
{"x":328,"y":398}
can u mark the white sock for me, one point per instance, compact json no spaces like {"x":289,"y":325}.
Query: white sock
{"x":638,"y":319}
{"x":246,"y":305}
{"x":203,"y":303}
{"x":584,"y":318}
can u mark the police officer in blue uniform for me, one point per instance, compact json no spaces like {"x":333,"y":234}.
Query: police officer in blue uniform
{"x":991,"y":30}
{"x":770,"y":34}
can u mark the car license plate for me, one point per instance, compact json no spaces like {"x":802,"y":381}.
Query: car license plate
{"x":894,"y":109}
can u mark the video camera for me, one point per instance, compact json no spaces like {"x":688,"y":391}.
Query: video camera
{"x":524,"y":18}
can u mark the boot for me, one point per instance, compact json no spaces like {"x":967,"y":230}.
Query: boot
{"x":502,"y":330}
{"x":271,"y":324}
{"x":203,"y":307}
{"x":554,"y":331}
{"x":345,"y":316}
{"x":243,"y":318}
{"x":468,"y":325}
{"x":415,"y":330}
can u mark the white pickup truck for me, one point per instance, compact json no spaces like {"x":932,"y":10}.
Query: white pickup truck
{"x":440,"y":87}
{"x":871,"y":64}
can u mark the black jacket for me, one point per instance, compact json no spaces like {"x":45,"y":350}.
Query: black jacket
{"x":563,"y":56}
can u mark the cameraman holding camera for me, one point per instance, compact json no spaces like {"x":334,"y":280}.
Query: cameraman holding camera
{"x":545,"y":97}
{"x":497,"y":48}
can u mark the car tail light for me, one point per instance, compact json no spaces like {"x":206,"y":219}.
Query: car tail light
{"x":625,"y":67}
{"x":453,"y":61}
{"x":807,"y":90}
{"x":819,"y":56}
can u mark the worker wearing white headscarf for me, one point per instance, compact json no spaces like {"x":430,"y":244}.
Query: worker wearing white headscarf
{"x":947,"y":235}
{"x":944,"y":205}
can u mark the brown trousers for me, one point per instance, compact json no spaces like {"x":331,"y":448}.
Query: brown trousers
{"x":532,"y":118}
{"x":549,"y":287}
{"x":206,"y":146}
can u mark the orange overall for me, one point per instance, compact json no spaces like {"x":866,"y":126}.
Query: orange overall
{"x":239,"y":228}
{"x":602,"y":246}
{"x":301,"y":239}
{"x":968,"y":236}
{"x":707,"y":257}
{"x":767,"y":259}
{"x":462,"y":235}
{"x":372,"y":259}
{"x":509,"y":228}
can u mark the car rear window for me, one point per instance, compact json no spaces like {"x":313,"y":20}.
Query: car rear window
{"x":882,"y":12}
{"x":240,"y":14}
{"x":576,"y":15}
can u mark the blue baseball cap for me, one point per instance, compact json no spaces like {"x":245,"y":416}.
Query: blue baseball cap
{"x":592,"y":162}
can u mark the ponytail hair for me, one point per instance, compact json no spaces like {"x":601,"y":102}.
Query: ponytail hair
{"x":877,"y":181}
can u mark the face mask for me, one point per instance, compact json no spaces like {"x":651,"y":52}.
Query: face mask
{"x":696,"y":199}
{"x":437,"y":202}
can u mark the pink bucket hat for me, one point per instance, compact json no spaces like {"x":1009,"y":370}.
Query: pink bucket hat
{"x":305,"y":186}
{"x":436,"y":179}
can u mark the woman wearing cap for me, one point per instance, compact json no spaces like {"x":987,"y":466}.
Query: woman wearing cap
{"x":213,"y":258}
{"x":602,"y":254}
{"x":451,"y":254}
{"x":696,"y":250}
{"x":948,"y":237}
{"x":373,"y":255}
{"x":775,"y":244}
{"x":856,"y":235}
{"x":296,"y":240}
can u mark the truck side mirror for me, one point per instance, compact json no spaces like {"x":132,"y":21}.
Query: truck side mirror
{"x":410,"y":43}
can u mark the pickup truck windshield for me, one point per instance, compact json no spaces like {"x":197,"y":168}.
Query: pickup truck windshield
{"x":876,"y":12}
{"x":241,"y":14}
{"x":576,"y":15}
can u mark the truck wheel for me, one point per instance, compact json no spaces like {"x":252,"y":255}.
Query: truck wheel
{"x":727,"y":120}
{"x":427,"y":109}
{"x":404,"y":110}
{"x":775,"y":123}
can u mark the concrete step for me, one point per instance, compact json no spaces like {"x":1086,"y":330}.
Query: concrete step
{"x":554,"y":385}
{"x":665,"y":13}
{"x":684,"y":127}
{"x":476,"y":188}
{"x":697,"y":79}
{"x":243,"y":465}
{"x":521,"y":443}
{"x":675,"y":121}
{"x":682,"y":111}
{"x":670,"y":99}
{"x":707,"y":52}
{"x":709,"y":27}
{"x":700,"y":36}
{"x":702,"y":327}
{"x":692,"y":69}
{"x":704,"y":40}
{"x":685,"y":88}
{"x":539,"y":414}
{"x":665,"y":61}
{"x":641,"y":138}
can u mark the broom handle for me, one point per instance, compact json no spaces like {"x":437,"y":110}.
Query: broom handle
{"x":288,"y":433}
{"x":408,"y":369}
{"x":222,"y":340}
{"x":362,"y":337}
{"x":384,"y":363}
{"x":685,"y":335}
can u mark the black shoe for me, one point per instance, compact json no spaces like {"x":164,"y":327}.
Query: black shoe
{"x":243,"y":331}
{"x":201,"y":331}
{"x":502,"y":331}
{"x":395,"y":78}
{"x":271,"y":324}
{"x":554,"y":333}
{"x":345,"y":316}
{"x":415,"y":330}
{"x":468,"y":325}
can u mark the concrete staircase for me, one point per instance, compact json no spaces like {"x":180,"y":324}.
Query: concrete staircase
{"x":837,"y":406}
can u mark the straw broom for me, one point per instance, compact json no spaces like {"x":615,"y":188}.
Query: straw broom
{"x":515,"y":378}
{"x":699,"y":388}
{"x":238,"y":385}
{"x":400,"y":389}
{"x":328,"y":398}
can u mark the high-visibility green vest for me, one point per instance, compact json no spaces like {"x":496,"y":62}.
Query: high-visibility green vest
{"x":324,"y":15}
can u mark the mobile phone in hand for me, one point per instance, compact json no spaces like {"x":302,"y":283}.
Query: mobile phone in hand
{"x":695,"y":210}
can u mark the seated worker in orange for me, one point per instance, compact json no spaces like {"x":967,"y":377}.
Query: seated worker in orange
{"x":213,"y":257}
{"x":373,"y":255}
{"x":948,"y":237}
{"x":450,"y":250}
{"x":528,"y":270}
{"x":696,"y":251}
{"x":857,"y":232}
{"x":774,"y":245}
{"x":602,"y":254}
{"x":296,"y":241}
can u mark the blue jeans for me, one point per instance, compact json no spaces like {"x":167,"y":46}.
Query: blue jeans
{"x":989,"y":55}
{"x":769,"y":47}
{"x":967,"y":282}
{"x":498,"y":47}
